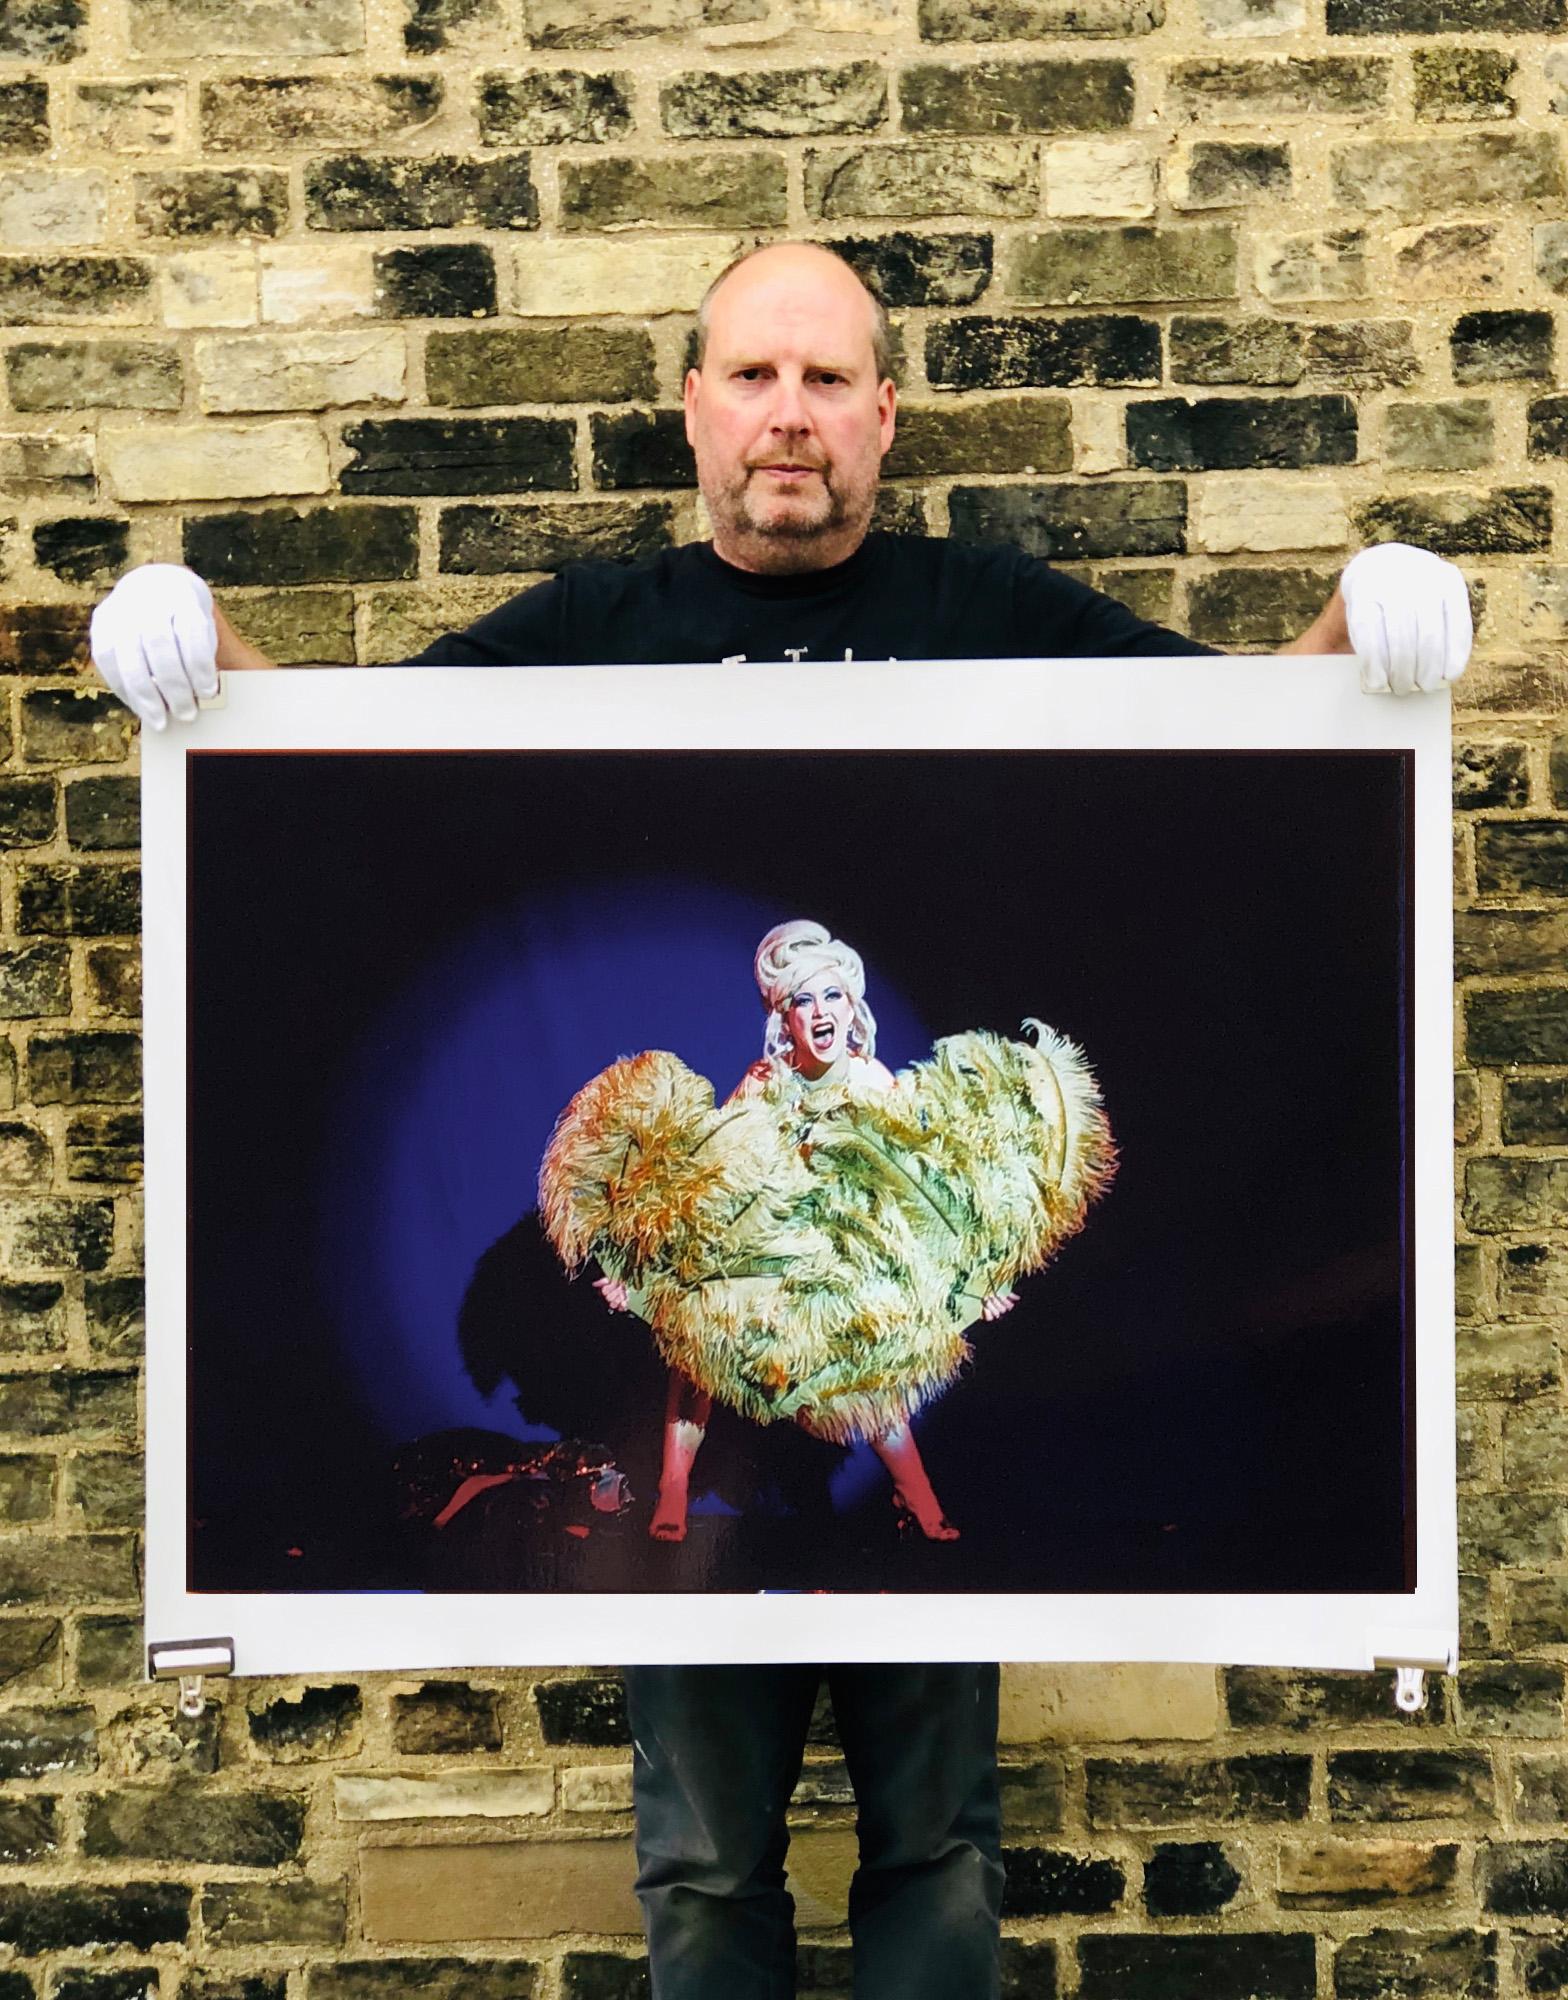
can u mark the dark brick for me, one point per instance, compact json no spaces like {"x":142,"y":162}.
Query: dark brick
{"x":1439,"y":437}
{"x":999,"y":434}
{"x":126,"y":1982}
{"x":27,"y":1491}
{"x":1143,"y":1792}
{"x":424,"y":1979}
{"x":104,"y":1489}
{"x":428,"y":27}
{"x":44,"y":31}
{"x":605,"y":1975}
{"x":103,"y":813}
{"x":1508,"y":520}
{"x":1296,"y":1699}
{"x":227,"y":1829}
{"x":1004,"y":97}
{"x":135,"y":1915}
{"x":906,"y":269}
{"x":33,"y":1319}
{"x":1475,"y":169}
{"x":1503,"y":1194}
{"x":244,"y":114}
{"x":1535,"y":1113}
{"x":446,"y":1717}
{"x":94,"y":374}
{"x":98,"y":1066}
{"x":275,"y":1913}
{"x":114,"y":979}
{"x":589,"y":1711}
{"x":213,"y":201}
{"x":1541,"y":1785}
{"x":1416,"y":1963}
{"x":434,"y":191}
{"x":29,"y":1650}
{"x":1543,"y":1964}
{"x":24,"y":116}
{"x":642,"y":448}
{"x":491,"y":541}
{"x":43,"y":638}
{"x":1548,"y":427}
{"x":1518,"y":855}
{"x":92,"y":899}
{"x":1224,"y":433}
{"x":27,"y":811}
{"x":60,"y":726}
{"x":104,"y":1146}
{"x":115,"y":1316}
{"x":1503,"y":347}
{"x":86,"y":549}
{"x":714,"y":190}
{"x":775,"y":104}
{"x":29,"y":1829}
{"x":38,"y":291}
{"x":1256,"y":608}
{"x":1403,"y":1785}
{"x":1463,"y":83}
{"x":1145,"y":592}
{"x":60,"y":1400}
{"x":322,"y":1722}
{"x":435,"y":281}
{"x":1558,"y":770}
{"x":1521,"y":1878}
{"x":1235,"y":174}
{"x":1074,"y":523}
{"x":206,"y":1985}
{"x":1128,"y":265}
{"x":1246,"y":1966}
{"x":1263,"y":351}
{"x":1511,"y":1530}
{"x":459,"y":455}
{"x":1188,"y":1879}
{"x":572,"y":364}
{"x":61,"y":1235}
{"x":1290,"y":87}
{"x":109,"y":1651}
{"x":1511,"y":1698}
{"x":551,"y":108}
{"x":1045,"y":1882}
{"x":1509,"y":941}
{"x":1028,"y":1970}
{"x":1032,"y":1795}
{"x":1101,"y":350}
{"x":1035,"y":20}
{"x":1362,"y":354}
{"x":1445,"y":17}
{"x":1490,"y":774}
{"x":289,"y":545}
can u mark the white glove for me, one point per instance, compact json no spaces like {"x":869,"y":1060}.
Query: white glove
{"x":155,"y":642}
{"x":1409,"y":618}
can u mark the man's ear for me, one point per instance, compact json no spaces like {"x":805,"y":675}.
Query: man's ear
{"x":887,"y":411}
{"x":689,"y":397}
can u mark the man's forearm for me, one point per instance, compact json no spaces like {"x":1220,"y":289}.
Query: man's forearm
{"x":233,"y":651}
{"x":1329,"y":632}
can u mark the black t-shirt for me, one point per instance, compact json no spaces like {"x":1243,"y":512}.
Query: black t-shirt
{"x":900,"y":597}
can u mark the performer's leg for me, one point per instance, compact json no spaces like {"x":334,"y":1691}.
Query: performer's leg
{"x":686,"y":1412}
{"x":716,"y":1753}
{"x":912,"y":1483}
{"x":925,"y":1905}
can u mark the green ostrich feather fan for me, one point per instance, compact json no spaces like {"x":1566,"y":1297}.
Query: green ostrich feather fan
{"x":819,"y":1253}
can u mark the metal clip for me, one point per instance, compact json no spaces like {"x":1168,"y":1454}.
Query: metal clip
{"x":192,"y":1700}
{"x":189,"y":1661}
{"x":1410,"y":1689}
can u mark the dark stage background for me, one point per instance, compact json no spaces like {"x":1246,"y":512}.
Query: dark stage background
{"x":401,"y":966}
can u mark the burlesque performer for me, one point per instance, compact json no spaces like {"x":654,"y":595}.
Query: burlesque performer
{"x":815,"y":1248}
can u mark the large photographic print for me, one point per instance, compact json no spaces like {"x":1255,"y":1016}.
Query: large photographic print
{"x":977,"y":1181}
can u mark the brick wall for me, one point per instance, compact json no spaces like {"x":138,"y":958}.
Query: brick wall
{"x":373,"y":309}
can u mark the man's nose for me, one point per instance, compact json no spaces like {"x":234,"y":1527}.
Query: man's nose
{"x":789,"y":412}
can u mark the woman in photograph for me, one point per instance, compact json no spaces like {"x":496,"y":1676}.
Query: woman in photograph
{"x":815,"y":1248}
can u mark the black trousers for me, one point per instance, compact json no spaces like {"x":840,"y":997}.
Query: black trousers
{"x":717,"y":1751}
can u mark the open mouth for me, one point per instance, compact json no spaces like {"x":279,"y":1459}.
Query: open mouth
{"x":823,"y":1035}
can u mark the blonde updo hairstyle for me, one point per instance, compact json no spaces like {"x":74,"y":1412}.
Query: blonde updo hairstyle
{"x":787,"y":957}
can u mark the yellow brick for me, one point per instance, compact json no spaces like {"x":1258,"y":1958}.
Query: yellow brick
{"x":310,"y":371}
{"x":213,"y":461}
{"x":300,"y":283}
{"x":1095,"y":1704}
{"x":669,"y":275}
{"x":1099,"y":177}
{"x":209,"y":288}
{"x":1328,"y":1871}
{"x":445,"y":1795}
{"x":41,"y":209}
{"x":443,"y":1891}
{"x":597,"y":1788}
{"x":1263,"y":513}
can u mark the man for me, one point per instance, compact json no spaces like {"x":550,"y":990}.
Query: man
{"x":790,"y":410}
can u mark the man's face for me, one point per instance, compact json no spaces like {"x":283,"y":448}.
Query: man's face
{"x":786,"y":416}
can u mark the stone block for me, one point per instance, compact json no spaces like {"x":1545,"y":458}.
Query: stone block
{"x":1237,"y":18}
{"x":67,"y":1569}
{"x":273,"y":30}
{"x":89,"y":899}
{"x":1147,"y":593}
{"x":994,"y":99}
{"x":1506,"y":520}
{"x":1075,"y":523}
{"x":245,"y":114}
{"x":1001,"y":434}
{"x":354,"y":543}
{"x":1343,"y":1874}
{"x":27,"y":811}
{"x":1547,"y":421}
{"x":497,"y":1890}
{"x":1530,"y":857}
{"x":1263,"y":515}
{"x":1490,"y":774}
{"x":1193,"y":1878}
{"x":434,"y":191}
{"x":1046,"y":1882}
{"x":1448,"y":260}
{"x":214,"y":461}
{"x":1549,"y":240}
{"x":603,"y":1975}
{"x":33,"y":1319}
{"x":1316,"y":265}
{"x":1411,"y":1964}
{"x":983,"y":351}
{"x":520,"y":1794}
{"x":1258,"y":351}
{"x":54,"y":291}
{"x":108,"y":1651}
{"x":104,"y":1489}
{"x":641,"y":448}
{"x":1439,"y":437}
{"x":1036,"y":20}
{"x":1535,"y":1445}
{"x":1255,"y":609}
{"x":104,"y":1146}
{"x":1535,"y":1113}
{"x":1473,"y":170}
{"x":299,"y":627}
{"x":718,"y":190}
{"x":1497,"y":1363}
{"x":1510,"y":941}
{"x":569,"y":364}
{"x":1213,"y":173}
{"x":43,"y":465}
{"x":83,"y":549}
{"x":96,"y":1067}
{"x":302,"y":282}
{"x":195,"y":1824}
{"x":30,"y":1829}
{"x":1144,"y":1792}
{"x":1400,"y":1785}
{"x":446,"y":1718}
{"x":1503,"y":347}
{"x":43,"y":208}
{"x":1107,"y":1704}
{"x":24,"y":116}
{"x":1524,"y":1878}
{"x":401,"y":622}
{"x":1502,"y":1698}
{"x":114,"y":979}
{"x":418,"y":455}
{"x":1127,"y":266}
{"x":319,"y":1722}
{"x":57,"y":1401}
{"x":1104,"y":178}
{"x":206,"y":288}
{"x":311,"y":371}
{"x":906,"y":269}
{"x":38,"y":1918}
{"x":554,"y":108}
{"x":424,"y":1979}
{"x":477,"y":26}
{"x":435,"y":281}
{"x":992,"y":177}
{"x":27,"y":1488}
{"x":597,"y":1788}
{"x":1460,"y":85}
{"x":1281,"y":87}
{"x":94,"y":375}
{"x":1444,"y":17}
{"x":60,"y":726}
{"x":1511,"y":1530}
{"x":588,"y":24}
{"x":775,"y":104}
{"x":1537,"y":1616}
{"x":1541,"y":1792}
{"x":43,"y":31}
{"x":491,"y":541}
{"x":236,"y":1915}
{"x":1240,"y":1966}
{"x":212,"y":201}
{"x":141,"y":115}
{"x":1224,"y":433}
{"x":590,"y":1711}
{"x":594,"y":276}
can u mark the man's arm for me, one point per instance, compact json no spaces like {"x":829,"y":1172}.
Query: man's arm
{"x":1405,"y":612}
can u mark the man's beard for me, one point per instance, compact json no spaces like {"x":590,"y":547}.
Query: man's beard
{"x":789,"y":534}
